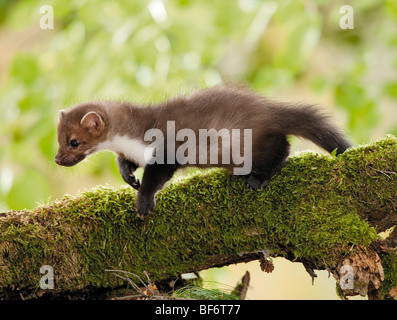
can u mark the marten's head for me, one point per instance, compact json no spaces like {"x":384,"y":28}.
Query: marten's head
{"x":80,"y":130}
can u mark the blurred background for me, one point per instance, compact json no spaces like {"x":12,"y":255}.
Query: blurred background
{"x":152,"y":50}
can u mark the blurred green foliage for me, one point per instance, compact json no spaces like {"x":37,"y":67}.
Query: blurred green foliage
{"x":150,"y":50}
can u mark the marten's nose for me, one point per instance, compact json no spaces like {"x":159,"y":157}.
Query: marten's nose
{"x":58,"y":160}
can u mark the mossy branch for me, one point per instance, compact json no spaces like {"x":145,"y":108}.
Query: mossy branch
{"x":323,"y":211}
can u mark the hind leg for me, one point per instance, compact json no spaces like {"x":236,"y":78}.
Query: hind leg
{"x":255,"y":181}
{"x":269,"y":158}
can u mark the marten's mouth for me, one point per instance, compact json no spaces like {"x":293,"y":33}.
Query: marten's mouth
{"x":68,"y":160}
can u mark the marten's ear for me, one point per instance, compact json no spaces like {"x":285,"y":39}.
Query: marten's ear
{"x":93,"y":122}
{"x":61,"y":114}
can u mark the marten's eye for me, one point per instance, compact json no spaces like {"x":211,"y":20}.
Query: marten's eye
{"x":74,"y":143}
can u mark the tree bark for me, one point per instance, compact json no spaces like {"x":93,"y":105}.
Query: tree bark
{"x":323,"y":211}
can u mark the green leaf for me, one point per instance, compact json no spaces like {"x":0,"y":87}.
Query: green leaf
{"x":391,"y":89}
{"x":28,"y":188}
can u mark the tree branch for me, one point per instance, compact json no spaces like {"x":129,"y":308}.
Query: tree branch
{"x":320,"y":210}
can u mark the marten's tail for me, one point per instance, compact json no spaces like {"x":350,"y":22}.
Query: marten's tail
{"x":308,"y":122}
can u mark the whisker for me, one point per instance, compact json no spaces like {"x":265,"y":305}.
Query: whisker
{"x":90,"y":161}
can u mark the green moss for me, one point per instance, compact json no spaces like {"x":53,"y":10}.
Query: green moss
{"x":200,"y":293}
{"x":314,"y":209}
{"x":389,"y":264}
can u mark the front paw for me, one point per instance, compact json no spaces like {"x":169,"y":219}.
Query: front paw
{"x":145,"y":206}
{"x":133,"y":181}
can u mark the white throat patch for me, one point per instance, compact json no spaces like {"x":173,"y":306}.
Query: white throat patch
{"x":132,"y":149}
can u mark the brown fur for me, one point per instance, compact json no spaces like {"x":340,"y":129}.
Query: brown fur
{"x":217,"y":108}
